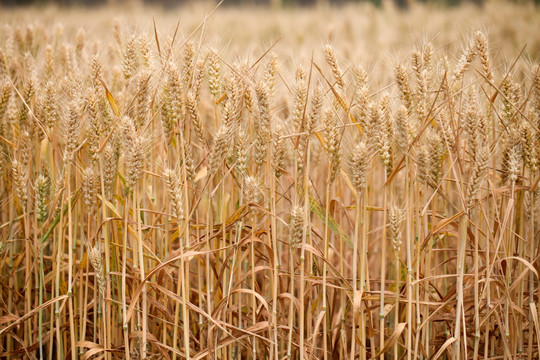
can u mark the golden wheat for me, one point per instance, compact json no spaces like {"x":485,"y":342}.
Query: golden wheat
{"x":182,"y":194}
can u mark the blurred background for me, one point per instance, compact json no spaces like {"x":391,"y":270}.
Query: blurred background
{"x":275,"y":3}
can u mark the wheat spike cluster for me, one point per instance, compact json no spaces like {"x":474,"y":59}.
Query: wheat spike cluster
{"x":194,"y":190}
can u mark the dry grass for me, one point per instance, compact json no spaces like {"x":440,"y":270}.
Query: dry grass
{"x":194,"y":193}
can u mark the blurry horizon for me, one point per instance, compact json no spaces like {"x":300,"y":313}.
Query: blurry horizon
{"x":273,"y":3}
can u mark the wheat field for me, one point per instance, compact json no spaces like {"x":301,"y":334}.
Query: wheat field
{"x":245,"y":183}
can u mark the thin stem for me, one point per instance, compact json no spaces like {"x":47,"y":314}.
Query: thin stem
{"x":325,"y":259}
{"x":383,"y":271}
{"x":354,"y":273}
